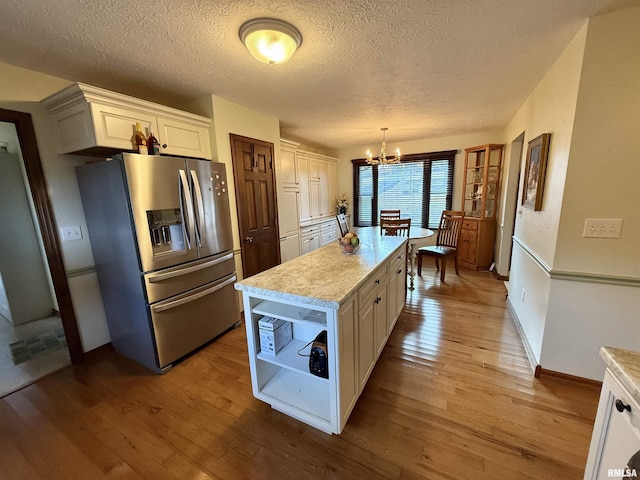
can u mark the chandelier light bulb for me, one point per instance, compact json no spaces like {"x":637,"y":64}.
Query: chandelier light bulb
{"x":382,"y":158}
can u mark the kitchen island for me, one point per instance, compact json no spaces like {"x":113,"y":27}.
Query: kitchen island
{"x":356,"y":299}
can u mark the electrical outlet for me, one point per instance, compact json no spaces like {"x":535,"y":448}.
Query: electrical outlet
{"x":602,"y":228}
{"x":71,"y":233}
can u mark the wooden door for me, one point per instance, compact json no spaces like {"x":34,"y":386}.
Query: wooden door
{"x":256,"y":203}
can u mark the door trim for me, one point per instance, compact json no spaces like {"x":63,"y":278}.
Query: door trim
{"x":48,"y":228}
{"x":235,"y":165}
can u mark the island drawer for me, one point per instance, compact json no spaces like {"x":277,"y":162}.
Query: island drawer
{"x":379,"y":276}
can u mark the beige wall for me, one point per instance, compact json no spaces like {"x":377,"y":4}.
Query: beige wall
{"x":549,"y":109}
{"x":603,"y":178}
{"x":580,"y":293}
{"x":22,"y":90}
{"x":595,"y":296}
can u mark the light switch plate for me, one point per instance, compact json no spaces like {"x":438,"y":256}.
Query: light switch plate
{"x":71,"y":233}
{"x":602,"y":228}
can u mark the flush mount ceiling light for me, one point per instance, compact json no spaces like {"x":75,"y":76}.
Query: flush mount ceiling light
{"x":270,"y":40}
{"x":382,"y":158}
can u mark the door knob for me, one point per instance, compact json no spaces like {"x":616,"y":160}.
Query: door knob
{"x":249,"y":239}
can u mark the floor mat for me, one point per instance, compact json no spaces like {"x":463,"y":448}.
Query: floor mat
{"x":37,"y":346}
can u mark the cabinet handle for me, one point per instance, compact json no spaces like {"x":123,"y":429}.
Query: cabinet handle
{"x":377,"y":282}
{"x":164,"y":145}
{"x":400,"y":271}
{"x":621,"y":407}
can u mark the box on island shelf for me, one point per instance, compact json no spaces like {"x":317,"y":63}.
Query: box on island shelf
{"x":275,"y":334}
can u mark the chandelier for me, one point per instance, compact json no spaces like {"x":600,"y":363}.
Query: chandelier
{"x":382,"y":158}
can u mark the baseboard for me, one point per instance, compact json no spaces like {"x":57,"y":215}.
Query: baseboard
{"x":107,"y":347}
{"x":570,"y":379}
{"x":535,"y":368}
{"x":539,"y":372}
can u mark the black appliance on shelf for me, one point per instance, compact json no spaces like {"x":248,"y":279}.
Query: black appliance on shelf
{"x":318,"y":359}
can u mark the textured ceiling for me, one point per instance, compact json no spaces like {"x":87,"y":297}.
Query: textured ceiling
{"x":423,"y":68}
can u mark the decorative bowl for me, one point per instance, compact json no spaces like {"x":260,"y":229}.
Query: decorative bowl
{"x":349,"y":249}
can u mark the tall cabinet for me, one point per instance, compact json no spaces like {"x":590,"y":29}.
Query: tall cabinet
{"x":307,"y":188}
{"x":481,"y":177}
{"x":288,"y":184}
{"x":318,"y":186}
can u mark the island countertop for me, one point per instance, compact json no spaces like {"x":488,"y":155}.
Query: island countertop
{"x":326,"y":276}
{"x":625,"y":366}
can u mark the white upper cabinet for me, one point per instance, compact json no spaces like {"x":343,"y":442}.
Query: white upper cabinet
{"x":318,"y":181}
{"x":288,"y":174}
{"x":93,"y":121}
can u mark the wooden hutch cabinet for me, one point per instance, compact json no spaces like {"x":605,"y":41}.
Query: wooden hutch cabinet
{"x":481,"y":177}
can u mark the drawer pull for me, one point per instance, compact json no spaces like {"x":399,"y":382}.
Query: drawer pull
{"x":377,"y":282}
{"x":621,"y":407}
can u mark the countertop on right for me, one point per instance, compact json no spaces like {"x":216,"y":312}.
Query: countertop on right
{"x":625,"y":366}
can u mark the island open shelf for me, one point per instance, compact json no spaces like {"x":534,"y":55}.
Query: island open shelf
{"x":356,"y":299}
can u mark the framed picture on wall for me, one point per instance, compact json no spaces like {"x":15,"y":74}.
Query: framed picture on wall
{"x":535,"y":171}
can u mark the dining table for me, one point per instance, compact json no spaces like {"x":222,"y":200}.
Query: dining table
{"x":418,"y":237}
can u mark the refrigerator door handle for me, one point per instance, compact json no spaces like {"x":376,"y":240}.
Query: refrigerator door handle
{"x":199,"y":206}
{"x":186,"y":200}
{"x":176,"y":303}
{"x":159,"y":277}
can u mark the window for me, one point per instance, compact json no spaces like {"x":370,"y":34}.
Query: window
{"x":421,"y":187}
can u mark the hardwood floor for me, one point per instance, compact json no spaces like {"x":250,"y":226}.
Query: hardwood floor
{"x":452,"y":397}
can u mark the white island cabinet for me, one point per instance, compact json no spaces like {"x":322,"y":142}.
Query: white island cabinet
{"x":615,"y":443}
{"x":350,"y":297}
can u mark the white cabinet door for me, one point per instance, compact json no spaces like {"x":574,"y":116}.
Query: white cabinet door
{"x":397,"y":290}
{"x":380,"y":316}
{"x":289,"y":247}
{"x":347,"y":348}
{"x":366,"y":339}
{"x":314,"y":169}
{"x":323,"y":172}
{"x":616,"y":433}
{"x":182,"y":138}
{"x":332,"y":186}
{"x":302,"y":161}
{"x":288,"y":171}
{"x":115,"y":126}
{"x":288,"y":201}
{"x":314,"y":199}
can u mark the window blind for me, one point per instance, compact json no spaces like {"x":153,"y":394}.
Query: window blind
{"x":421,"y":187}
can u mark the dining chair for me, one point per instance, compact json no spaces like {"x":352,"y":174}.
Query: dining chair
{"x":446,"y":242}
{"x":398,"y":227}
{"x":343,"y":224}
{"x":388,"y":215}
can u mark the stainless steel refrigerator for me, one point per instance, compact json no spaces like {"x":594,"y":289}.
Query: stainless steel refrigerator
{"x":160,"y":231}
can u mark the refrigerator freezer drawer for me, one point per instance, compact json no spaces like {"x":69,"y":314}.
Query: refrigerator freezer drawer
{"x":175,"y":280}
{"x":185,"y":322}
